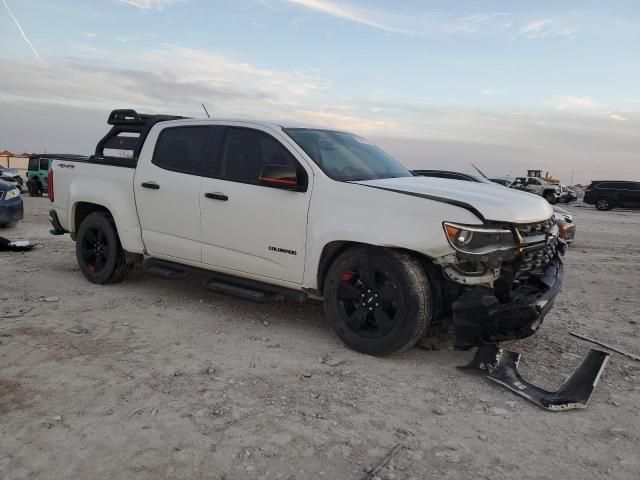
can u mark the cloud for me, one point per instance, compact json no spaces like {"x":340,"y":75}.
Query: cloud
{"x":618,"y":118}
{"x":490,"y":92}
{"x":485,"y":22}
{"x":589,"y":107}
{"x":171,"y":79}
{"x":576,"y":104}
{"x":354,"y":14}
{"x":148,"y":4}
{"x":548,"y":27}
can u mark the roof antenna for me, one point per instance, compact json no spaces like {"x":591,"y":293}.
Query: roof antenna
{"x":205,"y":111}
{"x":479,"y":171}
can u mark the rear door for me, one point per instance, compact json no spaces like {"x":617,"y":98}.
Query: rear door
{"x":248,"y":227}
{"x":167,"y":192}
{"x":629,"y":194}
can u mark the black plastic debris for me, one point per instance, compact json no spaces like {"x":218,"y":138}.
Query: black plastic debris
{"x":7,"y":245}
{"x":502,"y":367}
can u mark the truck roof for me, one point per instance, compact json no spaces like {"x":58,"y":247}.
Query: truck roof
{"x":275,"y":124}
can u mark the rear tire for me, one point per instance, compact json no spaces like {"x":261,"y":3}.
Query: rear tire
{"x":35,"y":189}
{"x":603,"y":204}
{"x":378,"y":301}
{"x":98,"y":250}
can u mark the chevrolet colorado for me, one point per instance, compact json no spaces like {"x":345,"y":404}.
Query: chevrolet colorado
{"x":271,"y":211}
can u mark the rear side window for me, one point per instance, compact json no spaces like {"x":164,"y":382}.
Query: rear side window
{"x":181,"y":149}
{"x":612,"y":186}
{"x":44,"y":164}
{"x":246,"y":151}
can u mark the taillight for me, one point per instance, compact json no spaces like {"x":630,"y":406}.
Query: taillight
{"x":50,"y":185}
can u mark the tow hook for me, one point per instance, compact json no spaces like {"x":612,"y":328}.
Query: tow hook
{"x":502,"y":367}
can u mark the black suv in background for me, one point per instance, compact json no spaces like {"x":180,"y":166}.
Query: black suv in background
{"x":607,"y":194}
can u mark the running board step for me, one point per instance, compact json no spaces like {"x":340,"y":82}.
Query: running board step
{"x":247,"y":289}
{"x":166,"y":270}
{"x":251,"y":290}
{"x":242,"y":292}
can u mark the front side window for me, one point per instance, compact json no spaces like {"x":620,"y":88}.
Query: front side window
{"x":346,"y":157}
{"x":34,"y":163}
{"x":245,"y":153}
{"x":181,"y":149}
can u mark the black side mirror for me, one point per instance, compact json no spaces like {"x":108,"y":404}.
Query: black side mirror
{"x":284,"y":177}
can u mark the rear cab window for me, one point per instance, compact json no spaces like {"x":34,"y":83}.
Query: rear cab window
{"x":182,"y":149}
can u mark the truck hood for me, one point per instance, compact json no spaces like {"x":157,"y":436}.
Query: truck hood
{"x":496,"y":203}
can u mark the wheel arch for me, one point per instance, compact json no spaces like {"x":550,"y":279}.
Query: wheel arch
{"x":334,"y":249}
{"x":82,"y":210}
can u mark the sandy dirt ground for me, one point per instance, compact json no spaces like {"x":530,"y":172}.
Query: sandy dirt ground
{"x":153,"y":379}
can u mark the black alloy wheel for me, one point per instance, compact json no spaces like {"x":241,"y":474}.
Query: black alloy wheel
{"x":378,"y":300}
{"x":98,"y":250}
{"x":368,"y":299}
{"x":603,"y":204}
{"x":95,"y":249}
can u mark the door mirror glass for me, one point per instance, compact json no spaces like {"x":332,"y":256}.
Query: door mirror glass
{"x":279,"y":176}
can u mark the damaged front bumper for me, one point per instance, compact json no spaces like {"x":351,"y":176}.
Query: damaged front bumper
{"x":480,"y":318}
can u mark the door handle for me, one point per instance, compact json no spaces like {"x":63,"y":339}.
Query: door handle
{"x":151,"y":185}
{"x":217,"y":196}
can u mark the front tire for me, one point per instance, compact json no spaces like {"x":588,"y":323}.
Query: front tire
{"x":604,"y":204}
{"x":550,"y":197}
{"x":378,"y":301}
{"x":98,"y":250}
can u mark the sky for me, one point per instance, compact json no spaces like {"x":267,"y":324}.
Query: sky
{"x":551,"y":85}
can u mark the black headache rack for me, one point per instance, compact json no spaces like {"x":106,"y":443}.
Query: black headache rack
{"x":126,"y":137}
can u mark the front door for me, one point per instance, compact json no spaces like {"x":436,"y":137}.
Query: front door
{"x":167,"y":192}
{"x":248,"y":227}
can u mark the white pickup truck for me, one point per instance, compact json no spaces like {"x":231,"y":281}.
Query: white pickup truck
{"x":270,"y":212}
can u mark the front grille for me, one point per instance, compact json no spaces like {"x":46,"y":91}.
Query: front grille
{"x":538,"y":258}
{"x":528,"y":230}
{"x":540,"y":245}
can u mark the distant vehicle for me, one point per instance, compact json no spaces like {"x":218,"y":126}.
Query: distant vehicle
{"x":608,"y":194}
{"x":268,"y":212}
{"x":548,"y":191}
{"x":11,"y":209}
{"x":11,"y":175}
{"x":39,"y":168}
{"x":563,"y":218}
{"x":565,"y":223}
{"x":567,"y":195}
{"x":501,"y":181}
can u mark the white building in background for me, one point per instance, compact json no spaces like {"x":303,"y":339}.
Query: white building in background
{"x":10,"y":160}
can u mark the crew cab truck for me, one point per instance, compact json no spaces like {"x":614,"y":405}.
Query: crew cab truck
{"x":271,"y":211}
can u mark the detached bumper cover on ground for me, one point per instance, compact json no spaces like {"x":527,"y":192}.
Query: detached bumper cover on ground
{"x":502,"y":367}
{"x":480,"y":318}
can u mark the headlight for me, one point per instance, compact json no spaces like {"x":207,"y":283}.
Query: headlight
{"x":13,"y":193}
{"x":478,"y":240}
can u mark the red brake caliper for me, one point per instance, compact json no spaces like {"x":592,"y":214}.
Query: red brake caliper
{"x":347,"y":276}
